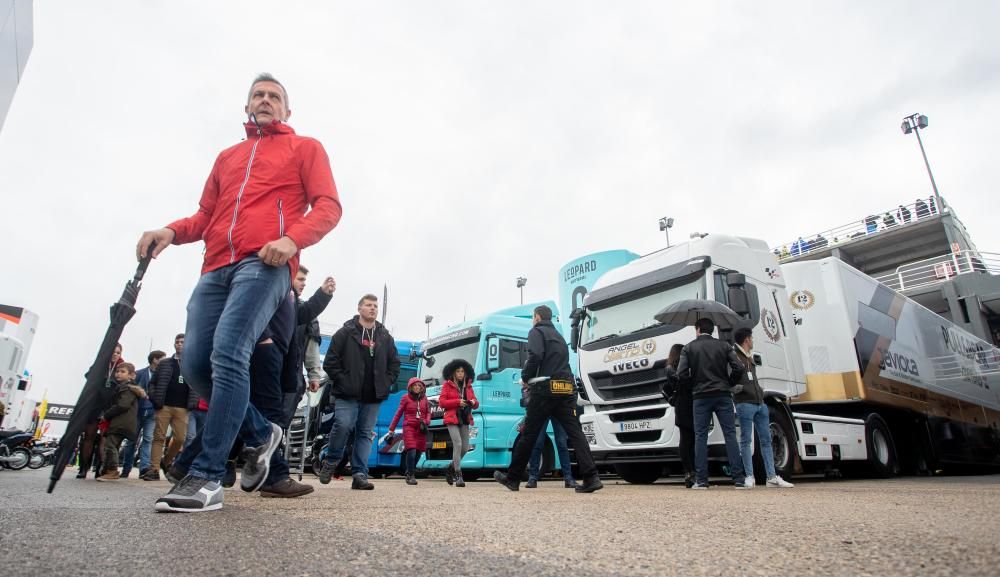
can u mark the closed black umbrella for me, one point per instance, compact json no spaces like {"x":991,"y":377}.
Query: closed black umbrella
{"x":689,"y":312}
{"x":121,"y":313}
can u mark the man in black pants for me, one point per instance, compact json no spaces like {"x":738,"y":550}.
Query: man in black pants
{"x":713,"y":368}
{"x":552,"y":395}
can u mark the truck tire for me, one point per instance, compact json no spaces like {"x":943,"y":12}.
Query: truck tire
{"x":639,"y":473}
{"x":882,"y":460}
{"x":783,"y":446}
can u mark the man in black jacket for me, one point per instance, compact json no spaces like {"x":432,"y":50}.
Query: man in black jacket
{"x":171,"y":397}
{"x":753,"y":412}
{"x":552,"y":394}
{"x":362,"y":364}
{"x":713,"y":369}
{"x":305,"y":342}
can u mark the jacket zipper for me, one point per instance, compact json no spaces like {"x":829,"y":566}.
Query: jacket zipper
{"x":281,"y":221}
{"x":239,"y":197}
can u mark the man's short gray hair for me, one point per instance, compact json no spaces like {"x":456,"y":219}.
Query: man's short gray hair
{"x":267,"y":77}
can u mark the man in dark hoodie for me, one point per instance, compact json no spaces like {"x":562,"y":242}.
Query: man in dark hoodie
{"x":306,"y":340}
{"x":362,"y":364}
{"x":713,"y":369}
{"x":552,"y":388}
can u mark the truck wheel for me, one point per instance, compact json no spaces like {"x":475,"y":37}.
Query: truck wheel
{"x":782,"y":445}
{"x":639,"y":473}
{"x":881,"y":449}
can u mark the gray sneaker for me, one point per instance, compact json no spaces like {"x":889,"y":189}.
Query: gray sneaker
{"x":257,"y":461}
{"x":191,"y":495}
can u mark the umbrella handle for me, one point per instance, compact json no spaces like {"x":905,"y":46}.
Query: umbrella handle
{"x":140,"y":270}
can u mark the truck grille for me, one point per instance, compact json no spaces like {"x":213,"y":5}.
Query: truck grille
{"x":438,"y":435}
{"x":613,"y":387}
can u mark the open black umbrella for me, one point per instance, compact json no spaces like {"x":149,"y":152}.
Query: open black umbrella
{"x":121,"y":313}
{"x":690,"y":311}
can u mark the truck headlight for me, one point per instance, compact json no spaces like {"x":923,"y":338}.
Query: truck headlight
{"x":588,"y":428}
{"x":473,"y":433}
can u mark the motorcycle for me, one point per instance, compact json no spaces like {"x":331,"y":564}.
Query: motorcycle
{"x":41,"y":456}
{"x":15,"y":452}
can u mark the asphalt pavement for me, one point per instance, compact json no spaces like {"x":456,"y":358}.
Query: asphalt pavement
{"x":909,"y":526}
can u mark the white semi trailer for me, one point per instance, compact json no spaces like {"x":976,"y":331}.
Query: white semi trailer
{"x":854,"y":373}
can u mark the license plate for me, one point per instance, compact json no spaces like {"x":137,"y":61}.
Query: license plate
{"x":630,"y":426}
{"x":439,"y":445}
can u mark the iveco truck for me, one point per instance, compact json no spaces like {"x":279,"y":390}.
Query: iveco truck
{"x":855,"y":375}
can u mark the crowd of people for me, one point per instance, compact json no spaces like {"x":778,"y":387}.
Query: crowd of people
{"x":872,"y":224}
{"x":250,"y":350}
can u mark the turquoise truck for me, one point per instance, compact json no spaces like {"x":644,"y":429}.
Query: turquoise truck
{"x":496,"y":346}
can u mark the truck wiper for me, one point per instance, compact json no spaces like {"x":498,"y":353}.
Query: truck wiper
{"x":604,"y":338}
{"x":647,"y":327}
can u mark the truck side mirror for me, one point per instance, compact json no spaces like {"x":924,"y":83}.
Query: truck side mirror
{"x":574,"y":332}
{"x":738,"y":301}
{"x":493,"y":354}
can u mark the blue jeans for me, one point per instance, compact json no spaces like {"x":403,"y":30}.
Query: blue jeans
{"x":757,"y":417}
{"x":227,"y":313}
{"x":196,"y":420}
{"x":348,"y":415}
{"x":722,"y":407}
{"x":562,"y":447}
{"x":146,"y":424}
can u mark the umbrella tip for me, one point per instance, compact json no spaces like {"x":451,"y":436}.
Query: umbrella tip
{"x":52,"y":486}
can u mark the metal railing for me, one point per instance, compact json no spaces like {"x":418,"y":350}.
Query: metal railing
{"x":934,"y":270}
{"x":902,"y":215}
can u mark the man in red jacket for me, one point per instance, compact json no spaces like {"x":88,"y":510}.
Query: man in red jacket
{"x":253,"y":218}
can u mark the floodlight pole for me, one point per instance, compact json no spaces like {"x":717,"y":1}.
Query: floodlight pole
{"x":912,"y":123}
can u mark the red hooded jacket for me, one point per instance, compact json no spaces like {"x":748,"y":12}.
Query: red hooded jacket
{"x":451,"y":398}
{"x":258,"y":191}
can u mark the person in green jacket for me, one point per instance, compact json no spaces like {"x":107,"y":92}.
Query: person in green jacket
{"x":122,"y":417}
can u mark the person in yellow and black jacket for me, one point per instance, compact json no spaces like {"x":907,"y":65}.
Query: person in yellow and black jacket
{"x":552,"y":389}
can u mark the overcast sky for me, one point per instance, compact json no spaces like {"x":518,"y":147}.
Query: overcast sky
{"x":474,"y":142}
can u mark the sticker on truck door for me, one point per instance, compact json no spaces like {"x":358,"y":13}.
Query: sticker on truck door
{"x":769,"y":321}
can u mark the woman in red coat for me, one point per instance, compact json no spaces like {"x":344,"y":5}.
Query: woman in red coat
{"x":458,"y":400}
{"x":416,"y":414}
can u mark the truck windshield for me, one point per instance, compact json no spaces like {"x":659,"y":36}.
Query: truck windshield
{"x":635,"y":314}
{"x":444,"y":354}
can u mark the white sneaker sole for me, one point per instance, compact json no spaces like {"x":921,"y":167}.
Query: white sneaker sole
{"x":167,"y":508}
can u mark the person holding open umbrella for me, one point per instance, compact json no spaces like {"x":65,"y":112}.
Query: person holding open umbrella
{"x":714,"y":369}
{"x":253,"y":219}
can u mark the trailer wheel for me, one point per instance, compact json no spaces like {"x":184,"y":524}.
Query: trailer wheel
{"x":881,"y":448}
{"x":782,"y":445}
{"x":639,"y":473}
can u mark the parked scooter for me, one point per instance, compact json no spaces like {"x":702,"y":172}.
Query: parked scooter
{"x":41,"y":456}
{"x":15,"y":449}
